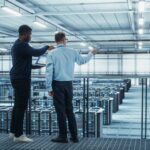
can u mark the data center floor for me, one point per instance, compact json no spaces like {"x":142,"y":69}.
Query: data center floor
{"x":127,"y":121}
{"x":44,"y":143}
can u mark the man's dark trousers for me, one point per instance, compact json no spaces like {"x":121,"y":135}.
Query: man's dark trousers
{"x":63,"y":95}
{"x":21,"y":94}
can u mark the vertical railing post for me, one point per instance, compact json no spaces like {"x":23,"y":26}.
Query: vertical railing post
{"x":142,"y":112}
{"x":84,"y":119}
{"x":145,"y":108}
{"x":87,"y":109}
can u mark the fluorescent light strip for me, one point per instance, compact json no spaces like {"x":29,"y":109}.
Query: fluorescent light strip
{"x":11,"y":11}
{"x":40,"y":24}
{"x":141,"y":6}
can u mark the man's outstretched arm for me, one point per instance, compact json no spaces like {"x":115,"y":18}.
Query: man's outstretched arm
{"x":80,"y":60}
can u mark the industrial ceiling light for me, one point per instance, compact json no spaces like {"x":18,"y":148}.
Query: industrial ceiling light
{"x":83,"y":44}
{"x":3,"y":49}
{"x":11,"y":11}
{"x":140,"y":43}
{"x":90,"y":48}
{"x":141,"y":21}
{"x":141,"y":6}
{"x":56,"y":32}
{"x":141,"y":31}
{"x":140,"y":47}
{"x":40,"y":24}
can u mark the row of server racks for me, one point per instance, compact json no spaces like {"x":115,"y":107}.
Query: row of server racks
{"x":95,"y":100}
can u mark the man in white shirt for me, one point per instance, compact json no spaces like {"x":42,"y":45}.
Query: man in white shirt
{"x":59,"y":77}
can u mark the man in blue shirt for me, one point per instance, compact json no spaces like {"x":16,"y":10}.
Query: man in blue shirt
{"x":20,"y":75}
{"x":59,"y":76}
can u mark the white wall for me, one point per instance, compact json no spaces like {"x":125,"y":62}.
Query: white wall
{"x":109,"y":63}
{"x":113,"y":63}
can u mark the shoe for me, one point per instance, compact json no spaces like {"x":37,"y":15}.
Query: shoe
{"x":11,"y":135}
{"x":60,"y":140}
{"x":75,"y":140}
{"x":22,"y":138}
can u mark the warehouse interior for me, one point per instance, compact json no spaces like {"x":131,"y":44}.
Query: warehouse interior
{"x":110,"y":93}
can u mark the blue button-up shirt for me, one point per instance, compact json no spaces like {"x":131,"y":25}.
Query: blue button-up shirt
{"x":60,"y":64}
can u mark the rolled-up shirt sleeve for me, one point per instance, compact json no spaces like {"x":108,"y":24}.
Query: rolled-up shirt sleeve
{"x":49,"y":72}
{"x":80,"y":60}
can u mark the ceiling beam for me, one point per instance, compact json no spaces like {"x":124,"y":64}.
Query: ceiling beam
{"x":108,"y":52}
{"x":131,"y":15}
{"x":79,"y":3}
{"x":7,"y":34}
{"x":14,"y":2}
{"x":68,"y":13}
{"x":82,"y":12}
{"x":98,"y":41}
{"x":99,"y":35}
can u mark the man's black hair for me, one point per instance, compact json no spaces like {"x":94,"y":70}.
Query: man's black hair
{"x":59,"y":36}
{"x":24,"y":29}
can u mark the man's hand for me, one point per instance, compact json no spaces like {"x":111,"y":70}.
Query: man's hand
{"x":51,"y":48}
{"x":41,"y":66}
{"x":51,"y":93}
{"x":94,"y":51}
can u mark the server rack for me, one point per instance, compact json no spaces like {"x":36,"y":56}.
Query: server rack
{"x":99,"y":95}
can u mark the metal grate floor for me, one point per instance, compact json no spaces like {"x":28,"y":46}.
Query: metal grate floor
{"x":44,"y":143}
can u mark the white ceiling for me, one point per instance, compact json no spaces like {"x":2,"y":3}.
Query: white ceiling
{"x":105,"y":24}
